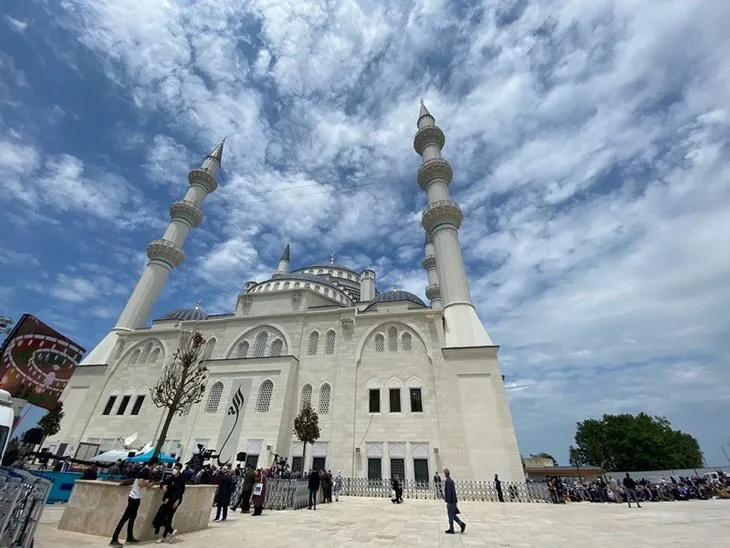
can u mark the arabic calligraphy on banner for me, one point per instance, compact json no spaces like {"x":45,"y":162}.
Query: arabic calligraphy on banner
{"x":230,"y":433}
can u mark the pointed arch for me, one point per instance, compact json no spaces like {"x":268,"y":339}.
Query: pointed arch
{"x":306,"y":398}
{"x":313,"y":345}
{"x":329,"y":342}
{"x":325,"y":392}
{"x":259,"y":345}
{"x":276,"y":347}
{"x":214,"y":397}
{"x":420,"y":342}
{"x":406,"y":342}
{"x":242,"y":350}
{"x":274,"y":332}
{"x":208,"y":348}
{"x":379,"y":343}
{"x":392,"y":338}
{"x":263,"y":402}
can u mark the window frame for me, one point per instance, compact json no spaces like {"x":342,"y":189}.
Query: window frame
{"x":110,"y":403}
{"x":123,"y":404}
{"x":394,"y":395}
{"x":137,"y":405}
{"x":371,"y":400}
{"x":411,"y":392}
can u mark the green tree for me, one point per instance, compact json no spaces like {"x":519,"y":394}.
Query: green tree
{"x":51,"y":422}
{"x":306,"y":428}
{"x":634,"y":443}
{"x":182,"y":383}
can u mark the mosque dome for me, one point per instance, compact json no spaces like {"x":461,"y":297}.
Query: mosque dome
{"x":185,"y":314}
{"x":398,"y":295}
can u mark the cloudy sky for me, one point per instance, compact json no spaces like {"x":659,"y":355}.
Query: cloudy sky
{"x":589,"y":142}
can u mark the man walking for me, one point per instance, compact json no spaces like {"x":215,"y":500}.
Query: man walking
{"x":451,"y":500}
{"x":630,"y":486}
{"x":498,"y":487}
{"x":141,"y":480}
{"x":313,"y":489}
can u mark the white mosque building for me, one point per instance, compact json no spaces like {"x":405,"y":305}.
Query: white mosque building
{"x":400,"y":387}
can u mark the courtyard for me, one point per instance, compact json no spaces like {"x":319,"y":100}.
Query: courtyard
{"x":358,"y":521}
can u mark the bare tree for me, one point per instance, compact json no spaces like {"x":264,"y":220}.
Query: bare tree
{"x":182,"y":383}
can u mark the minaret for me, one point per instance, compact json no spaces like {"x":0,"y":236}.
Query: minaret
{"x":441,"y":219}
{"x":433,"y":291}
{"x":164,"y":254}
{"x":283,"y":267}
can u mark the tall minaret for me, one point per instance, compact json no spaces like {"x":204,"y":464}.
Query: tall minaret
{"x":442,"y":218}
{"x":164,"y":254}
{"x":433,"y":291}
{"x":283,"y":267}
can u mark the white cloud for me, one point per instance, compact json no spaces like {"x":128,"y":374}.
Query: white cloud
{"x":16,"y":24}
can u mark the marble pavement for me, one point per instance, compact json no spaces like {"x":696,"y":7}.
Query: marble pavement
{"x":358,"y":521}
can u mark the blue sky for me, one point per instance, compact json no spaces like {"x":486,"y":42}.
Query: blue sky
{"x":589,"y":142}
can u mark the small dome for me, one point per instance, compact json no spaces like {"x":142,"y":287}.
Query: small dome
{"x":398,"y":295}
{"x":185,"y":314}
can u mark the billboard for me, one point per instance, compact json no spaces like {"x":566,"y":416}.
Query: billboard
{"x":37,"y":362}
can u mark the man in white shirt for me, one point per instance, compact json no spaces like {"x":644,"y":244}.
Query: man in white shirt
{"x":141,"y":480}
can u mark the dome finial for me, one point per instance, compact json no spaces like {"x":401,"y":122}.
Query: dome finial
{"x":197,"y":306}
{"x":332,"y":258}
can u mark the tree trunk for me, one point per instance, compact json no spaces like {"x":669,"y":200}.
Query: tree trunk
{"x":163,"y":433}
{"x":304,"y":458}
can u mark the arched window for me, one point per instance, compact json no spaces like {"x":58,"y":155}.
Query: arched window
{"x":134,"y":357}
{"x":214,"y":398}
{"x":155,"y":355}
{"x":379,"y":343}
{"x":329,"y":343}
{"x":306,"y":396}
{"x":324,"y":399}
{"x":392,"y":339}
{"x":406,"y":342}
{"x":208,"y":349}
{"x":146,"y":353}
{"x":242,"y":350}
{"x":313,"y":344}
{"x":264,"y":400}
{"x":259,"y":347}
{"x":286,"y":285}
{"x":276,"y":347}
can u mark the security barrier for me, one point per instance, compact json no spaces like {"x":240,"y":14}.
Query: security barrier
{"x":22,"y":497}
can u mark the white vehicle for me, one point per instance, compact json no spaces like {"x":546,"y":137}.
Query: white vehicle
{"x":7,"y":416}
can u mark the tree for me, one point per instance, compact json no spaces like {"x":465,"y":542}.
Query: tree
{"x":306,"y":427}
{"x":182,"y":383}
{"x":51,"y":422}
{"x":634,"y":443}
{"x":545,"y":456}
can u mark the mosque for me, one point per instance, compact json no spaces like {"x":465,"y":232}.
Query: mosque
{"x":401,"y":387}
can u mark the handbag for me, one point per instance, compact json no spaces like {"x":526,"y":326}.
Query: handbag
{"x":258,"y":489}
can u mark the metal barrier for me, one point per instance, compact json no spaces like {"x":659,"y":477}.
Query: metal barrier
{"x":22,"y":497}
{"x":465,"y":490}
{"x":281,"y":494}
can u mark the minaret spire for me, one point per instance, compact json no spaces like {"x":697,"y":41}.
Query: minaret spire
{"x":441,"y":220}
{"x":283,"y":267}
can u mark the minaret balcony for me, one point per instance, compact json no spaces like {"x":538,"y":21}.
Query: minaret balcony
{"x":435,"y":168}
{"x":166,"y":251}
{"x":429,"y":135}
{"x":441,"y":212}
{"x":187,"y":211}
{"x":203,"y":178}
{"x":433,"y":291}
{"x":429,"y":263}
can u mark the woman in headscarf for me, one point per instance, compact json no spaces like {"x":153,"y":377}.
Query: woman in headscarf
{"x":338,"y":485}
{"x":259,"y":492}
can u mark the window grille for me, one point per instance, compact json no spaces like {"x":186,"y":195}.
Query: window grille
{"x":276,"y":348}
{"x":242,"y":350}
{"x":264,"y":400}
{"x":329,"y":343}
{"x":208,"y":350}
{"x":406,"y":342}
{"x":394,"y":394}
{"x":324,"y":399}
{"x":259,"y":347}
{"x":306,"y":396}
{"x":379,"y":343}
{"x":134,"y":358}
{"x":155,"y":355}
{"x":416,"y":401}
{"x":375,"y":469}
{"x":146,"y":353}
{"x":214,"y":398}
{"x":420,"y":471}
{"x":392,"y":339}
{"x":313,"y":343}
{"x":398,"y":469}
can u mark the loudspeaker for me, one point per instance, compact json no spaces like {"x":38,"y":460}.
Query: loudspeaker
{"x":34,"y":436}
{"x":241,"y":456}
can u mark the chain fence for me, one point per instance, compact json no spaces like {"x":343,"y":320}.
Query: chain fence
{"x":22,"y":497}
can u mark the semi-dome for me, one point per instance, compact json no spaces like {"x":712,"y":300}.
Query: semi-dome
{"x":185,"y":314}
{"x":398,"y":295}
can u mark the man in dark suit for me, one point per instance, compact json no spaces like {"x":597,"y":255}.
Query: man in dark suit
{"x":451,"y":500}
{"x":313,"y":484}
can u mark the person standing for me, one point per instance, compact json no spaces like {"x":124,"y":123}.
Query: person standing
{"x":313,"y":486}
{"x":259,"y":492}
{"x":437,"y":485}
{"x":498,"y":487}
{"x":338,"y":485}
{"x":141,"y":480}
{"x":223,"y":494}
{"x":630,"y":486}
{"x":451,"y":501}
{"x":244,"y":499}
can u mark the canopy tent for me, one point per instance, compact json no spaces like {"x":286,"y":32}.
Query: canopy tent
{"x":147,"y":455}
{"x":112,"y":456}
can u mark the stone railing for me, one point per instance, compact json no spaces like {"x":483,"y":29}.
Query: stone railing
{"x":465,"y":490}
{"x":22,"y":497}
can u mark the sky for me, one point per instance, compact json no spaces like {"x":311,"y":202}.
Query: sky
{"x":589,"y":142}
